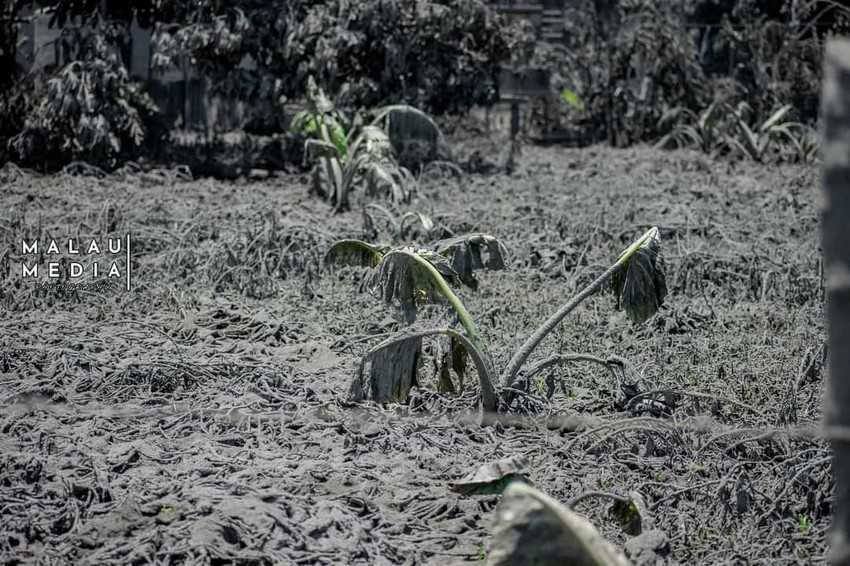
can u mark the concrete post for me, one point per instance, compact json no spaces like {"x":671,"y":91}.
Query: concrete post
{"x":835,"y":226}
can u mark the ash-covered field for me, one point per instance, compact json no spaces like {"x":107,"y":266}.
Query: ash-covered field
{"x":201,"y":419}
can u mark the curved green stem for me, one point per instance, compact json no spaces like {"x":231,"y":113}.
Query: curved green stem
{"x":521,"y":355}
{"x":454,"y":300}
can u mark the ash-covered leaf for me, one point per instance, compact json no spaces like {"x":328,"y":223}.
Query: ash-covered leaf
{"x":372,"y":161}
{"x":356,"y":252}
{"x":402,"y":280}
{"x":392,"y":372}
{"x":532,"y":528}
{"x":641,"y":285}
{"x":317,"y":99}
{"x":492,"y":477}
{"x":372,"y":141}
{"x":388,"y":180}
{"x":424,"y":220}
{"x":470,"y":252}
{"x":451,"y":356}
{"x":315,"y":148}
{"x":404,"y":123}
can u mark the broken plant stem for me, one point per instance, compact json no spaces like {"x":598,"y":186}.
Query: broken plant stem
{"x":521,"y":355}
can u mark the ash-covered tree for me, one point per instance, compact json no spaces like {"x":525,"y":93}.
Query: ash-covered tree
{"x":438,"y":56}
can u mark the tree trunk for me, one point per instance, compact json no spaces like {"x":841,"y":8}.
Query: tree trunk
{"x":835,"y":219}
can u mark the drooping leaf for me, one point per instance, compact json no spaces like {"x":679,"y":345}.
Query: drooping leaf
{"x":641,"y":285}
{"x":316,"y":98}
{"x":328,"y":176}
{"x":315,"y":149}
{"x":674,"y":115}
{"x":388,"y":180}
{"x":372,"y":161}
{"x":451,"y":357}
{"x":393,"y":368}
{"x":424,"y":220}
{"x":470,"y":252}
{"x":533,"y":528}
{"x":460,"y":358}
{"x":444,"y":379}
{"x":356,"y":252}
{"x":404,"y":123}
{"x":492,"y":477}
{"x":372,"y":142}
{"x":401,"y":279}
{"x":775,"y":118}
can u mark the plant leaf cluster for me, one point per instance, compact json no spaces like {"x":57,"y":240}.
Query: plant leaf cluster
{"x":723,"y":129}
{"x":411,"y":278}
{"x":472,"y":252}
{"x":347,"y":155}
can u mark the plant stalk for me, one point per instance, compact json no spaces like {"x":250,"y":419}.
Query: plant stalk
{"x":463,"y":314}
{"x":521,"y":355}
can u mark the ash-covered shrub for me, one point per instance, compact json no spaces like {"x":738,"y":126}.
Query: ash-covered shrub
{"x":88,"y":110}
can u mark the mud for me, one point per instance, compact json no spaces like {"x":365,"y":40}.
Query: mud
{"x":200,"y":417}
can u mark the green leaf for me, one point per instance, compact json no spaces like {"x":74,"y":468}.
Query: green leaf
{"x":706,"y":119}
{"x":356,"y":252}
{"x":303,"y":122}
{"x":571,"y":98}
{"x":337,"y":136}
{"x":641,"y":285}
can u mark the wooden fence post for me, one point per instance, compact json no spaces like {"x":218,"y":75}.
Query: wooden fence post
{"x":835,"y":226}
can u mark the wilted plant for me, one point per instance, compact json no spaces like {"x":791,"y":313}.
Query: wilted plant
{"x":401,"y":225}
{"x":756,"y":140}
{"x":412,"y":278}
{"x":689,"y":129}
{"x":347,"y":155}
{"x":722,"y":128}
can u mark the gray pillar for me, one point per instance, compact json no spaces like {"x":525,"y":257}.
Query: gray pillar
{"x":835,"y":226}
